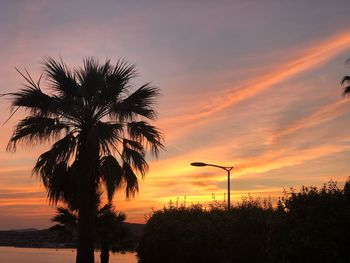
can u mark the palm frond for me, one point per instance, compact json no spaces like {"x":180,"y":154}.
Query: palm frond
{"x":345,"y":79}
{"x":29,"y":79}
{"x":70,"y":195}
{"x":56,"y":183}
{"x":52,"y":168}
{"x":134,"y":154}
{"x":92,"y":77}
{"x":61,"y":185}
{"x":116,"y":81}
{"x":142,"y":131}
{"x":108,"y":134}
{"x":61,"y":151}
{"x":134,"y":145}
{"x":31,"y":97}
{"x":111,"y":175}
{"x":124,"y":72}
{"x":67,"y":222}
{"x":36,"y":129}
{"x":64,"y":216}
{"x":62,"y":80}
{"x":139,"y":103}
{"x":346,"y":91}
{"x":120,"y":217}
{"x":105,"y":209}
{"x":132,"y":186}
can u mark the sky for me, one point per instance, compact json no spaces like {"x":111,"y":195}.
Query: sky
{"x":251,"y":84}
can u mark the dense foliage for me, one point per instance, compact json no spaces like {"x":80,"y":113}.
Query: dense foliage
{"x":312,"y":225}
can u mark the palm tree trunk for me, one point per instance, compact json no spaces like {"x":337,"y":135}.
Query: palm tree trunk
{"x":86,"y":227}
{"x":104,"y":253}
{"x":88,"y":157}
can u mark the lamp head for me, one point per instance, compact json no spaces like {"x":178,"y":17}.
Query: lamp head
{"x":198,"y":164}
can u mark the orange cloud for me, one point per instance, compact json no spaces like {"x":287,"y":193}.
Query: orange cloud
{"x":308,"y":59}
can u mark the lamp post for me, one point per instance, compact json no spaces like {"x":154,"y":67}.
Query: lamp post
{"x":227,"y":169}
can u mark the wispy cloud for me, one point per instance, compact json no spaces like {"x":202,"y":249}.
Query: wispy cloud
{"x":310,"y":58}
{"x":324,"y":114}
{"x":284,"y":158}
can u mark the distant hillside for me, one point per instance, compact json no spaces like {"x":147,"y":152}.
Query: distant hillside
{"x":29,"y":238}
{"x":50,"y":239}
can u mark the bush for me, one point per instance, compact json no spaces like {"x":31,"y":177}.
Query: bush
{"x":318,"y":224}
{"x":195,"y":234}
{"x":309,"y":226}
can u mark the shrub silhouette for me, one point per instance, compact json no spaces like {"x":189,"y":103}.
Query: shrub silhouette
{"x":311,"y":225}
{"x":195,"y":234}
{"x":318,"y":224}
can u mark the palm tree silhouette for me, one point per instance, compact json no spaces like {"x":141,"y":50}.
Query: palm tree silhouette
{"x":100,"y":130}
{"x":109,"y":227}
{"x":67,"y":223}
{"x":346,"y":81}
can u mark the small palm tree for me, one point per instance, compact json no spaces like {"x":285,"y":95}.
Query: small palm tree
{"x":67,"y":223}
{"x":109,"y":230}
{"x":109,"y":227}
{"x":100,"y":129}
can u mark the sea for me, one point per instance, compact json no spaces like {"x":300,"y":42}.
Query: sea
{"x":52,"y":255}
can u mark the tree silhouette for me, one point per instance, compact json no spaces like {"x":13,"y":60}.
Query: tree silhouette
{"x":100,"y":130}
{"x":346,"y":82}
{"x":310,"y":225}
{"x":67,"y":223}
{"x":109,"y":227}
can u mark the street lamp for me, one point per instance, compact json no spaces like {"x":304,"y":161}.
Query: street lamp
{"x":227,"y":169}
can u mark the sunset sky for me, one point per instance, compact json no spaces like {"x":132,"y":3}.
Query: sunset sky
{"x":252,"y":84}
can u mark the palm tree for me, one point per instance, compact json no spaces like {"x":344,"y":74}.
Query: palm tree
{"x":109,"y":230}
{"x":101,"y":132}
{"x":67,"y":223}
{"x":346,"y":81}
{"x":109,"y":227}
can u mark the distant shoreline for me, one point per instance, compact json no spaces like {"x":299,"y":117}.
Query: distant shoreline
{"x":46,"y":238}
